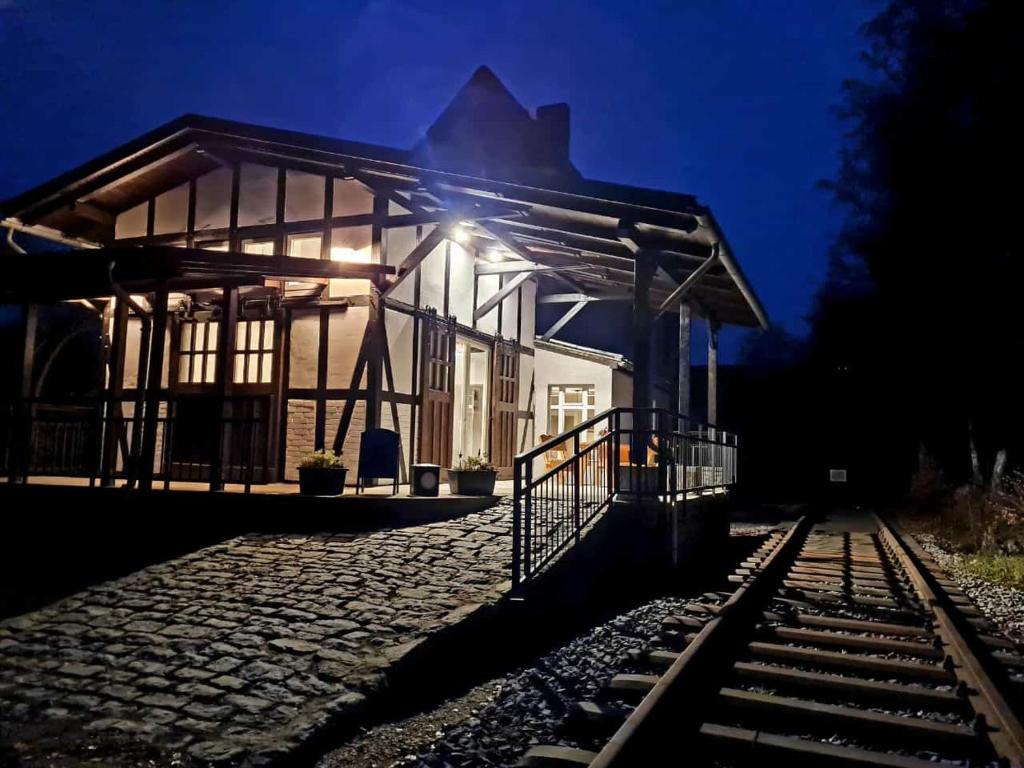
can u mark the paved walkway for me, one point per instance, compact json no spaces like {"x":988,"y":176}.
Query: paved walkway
{"x":245,"y":648}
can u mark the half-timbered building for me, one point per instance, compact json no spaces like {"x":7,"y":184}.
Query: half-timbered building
{"x":263,"y":293}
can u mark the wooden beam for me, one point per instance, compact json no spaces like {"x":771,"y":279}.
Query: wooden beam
{"x":423,"y":249}
{"x":504,"y":291}
{"x":694,"y":277}
{"x":572,"y":298}
{"x":151,"y":414}
{"x":559,"y":324}
{"x":511,"y":267}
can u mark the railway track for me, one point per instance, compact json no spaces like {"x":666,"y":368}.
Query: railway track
{"x":844,"y":648}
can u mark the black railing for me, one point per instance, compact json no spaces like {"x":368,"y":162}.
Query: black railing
{"x":229,"y":444}
{"x":562,"y":485}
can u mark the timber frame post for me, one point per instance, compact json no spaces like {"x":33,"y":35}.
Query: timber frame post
{"x":227,"y":333}
{"x":643,"y":276}
{"x":683,"y":405}
{"x":151,"y":415}
{"x":113,"y":429}
{"x":713,"y":326}
{"x":19,"y":458}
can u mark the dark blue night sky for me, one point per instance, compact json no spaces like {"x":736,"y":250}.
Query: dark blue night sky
{"x":726,"y":99}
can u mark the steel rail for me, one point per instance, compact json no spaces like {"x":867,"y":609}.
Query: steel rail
{"x":639,"y":740}
{"x":995,"y":717}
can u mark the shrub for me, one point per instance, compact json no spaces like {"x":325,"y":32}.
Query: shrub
{"x":473,"y":464}
{"x":321,"y":459}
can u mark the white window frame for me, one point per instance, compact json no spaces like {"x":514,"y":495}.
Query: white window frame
{"x":587,"y":409}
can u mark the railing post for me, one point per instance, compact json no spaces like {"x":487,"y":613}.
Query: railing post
{"x":576,"y":484}
{"x":517,"y":522}
{"x":528,"y":519}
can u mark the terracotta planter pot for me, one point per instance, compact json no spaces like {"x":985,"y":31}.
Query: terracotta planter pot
{"x":322,"y":481}
{"x":472,"y":482}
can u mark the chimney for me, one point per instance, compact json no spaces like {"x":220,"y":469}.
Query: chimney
{"x":553,"y":135}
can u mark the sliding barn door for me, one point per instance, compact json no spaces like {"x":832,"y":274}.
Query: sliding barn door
{"x":504,"y":406}
{"x":438,"y":383}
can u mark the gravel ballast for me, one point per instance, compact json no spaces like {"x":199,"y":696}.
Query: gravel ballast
{"x":1004,"y":605}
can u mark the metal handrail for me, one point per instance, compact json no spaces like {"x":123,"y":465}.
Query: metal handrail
{"x":551,"y":510}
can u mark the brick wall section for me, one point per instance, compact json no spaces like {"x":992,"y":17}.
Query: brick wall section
{"x":302,"y":429}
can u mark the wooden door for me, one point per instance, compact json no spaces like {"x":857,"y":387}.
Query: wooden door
{"x":504,"y":405}
{"x":436,"y":392}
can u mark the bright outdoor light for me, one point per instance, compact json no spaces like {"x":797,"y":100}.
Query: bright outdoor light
{"x":460,"y":235}
{"x":350,"y":255}
{"x":494,"y":255}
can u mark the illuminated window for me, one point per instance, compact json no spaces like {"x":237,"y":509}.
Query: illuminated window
{"x":258,"y":247}
{"x":197,"y":352}
{"x":254,"y":352}
{"x":568,"y":406}
{"x":213,"y":245}
{"x":304,"y":246}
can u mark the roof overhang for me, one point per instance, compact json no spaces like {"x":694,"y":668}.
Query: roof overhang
{"x":63,"y":275}
{"x":593,"y":229}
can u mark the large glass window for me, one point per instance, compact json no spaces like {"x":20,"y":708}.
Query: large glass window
{"x":568,"y":406}
{"x":258,"y":247}
{"x":254,"y":352}
{"x":197,"y":351}
{"x":304,"y":246}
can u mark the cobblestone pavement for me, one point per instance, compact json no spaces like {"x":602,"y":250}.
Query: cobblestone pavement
{"x":240,"y":651}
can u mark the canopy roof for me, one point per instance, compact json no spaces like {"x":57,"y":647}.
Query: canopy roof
{"x":582,"y":234}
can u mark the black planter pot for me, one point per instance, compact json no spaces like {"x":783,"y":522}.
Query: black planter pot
{"x":472,"y":482}
{"x":322,"y":481}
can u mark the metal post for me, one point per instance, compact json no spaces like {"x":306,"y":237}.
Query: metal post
{"x":517,"y":522}
{"x":225,"y":378}
{"x":644,"y":267}
{"x":576,"y":484}
{"x":527,"y":520}
{"x":713,"y":326}
{"x":684,"y":359}
{"x":23,"y":412}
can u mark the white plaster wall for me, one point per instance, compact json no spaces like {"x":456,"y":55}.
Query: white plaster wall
{"x":460,"y":300}
{"x":399,"y":327}
{"x":132,"y":341}
{"x":213,"y":199}
{"x":398,"y":243}
{"x":529,"y":313}
{"x":171,"y":214}
{"x":509,"y":313}
{"x":432,"y":278}
{"x":303,"y":348}
{"x":622,"y":390}
{"x":132,"y":223}
{"x":344,"y":337}
{"x":486,"y":288}
{"x":555,"y":368}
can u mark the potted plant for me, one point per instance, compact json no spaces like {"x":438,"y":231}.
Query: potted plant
{"x":472,"y":476}
{"x":321,"y":473}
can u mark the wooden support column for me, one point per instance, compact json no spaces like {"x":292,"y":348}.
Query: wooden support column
{"x":227,"y":332}
{"x":151,"y":415}
{"x":113,"y":430}
{"x":683,"y":405}
{"x":23,"y":412}
{"x":713,"y":326}
{"x":643,"y":275}
{"x":375,"y":327}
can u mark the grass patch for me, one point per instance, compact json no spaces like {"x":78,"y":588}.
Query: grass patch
{"x":1005,"y":570}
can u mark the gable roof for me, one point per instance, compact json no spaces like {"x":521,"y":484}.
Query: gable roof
{"x":561,"y":221}
{"x":485,"y":131}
